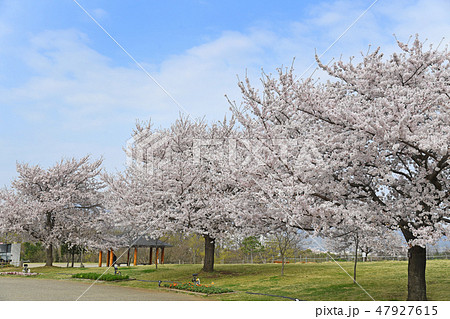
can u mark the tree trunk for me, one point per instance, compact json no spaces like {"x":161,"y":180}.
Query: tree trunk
{"x":81,"y":259}
{"x":49,"y":225}
{"x":208,"y":264}
{"x":356,"y":258}
{"x":49,"y":259}
{"x":73,"y":257}
{"x":282,"y":265}
{"x":417,"y":259}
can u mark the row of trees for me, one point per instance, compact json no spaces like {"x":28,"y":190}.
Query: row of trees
{"x":271,"y":249}
{"x":367,"y":152}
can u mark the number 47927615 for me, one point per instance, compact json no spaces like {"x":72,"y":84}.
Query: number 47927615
{"x":407,"y":310}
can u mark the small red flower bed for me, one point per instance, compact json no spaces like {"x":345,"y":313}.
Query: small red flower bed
{"x":17,"y":273}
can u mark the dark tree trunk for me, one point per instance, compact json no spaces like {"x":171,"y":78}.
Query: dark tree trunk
{"x":68,"y":259}
{"x":49,"y":259}
{"x":417,"y":259}
{"x":81,"y":259}
{"x":356,"y":258}
{"x":208,"y":264}
{"x":73,"y":257}
{"x":49,"y":225}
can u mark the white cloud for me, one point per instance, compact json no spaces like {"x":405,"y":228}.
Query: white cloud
{"x":73,"y":89}
{"x":99,"y":13}
{"x":79,"y":82}
{"x":73,"y":80}
{"x":82,"y":88}
{"x":429,"y":18}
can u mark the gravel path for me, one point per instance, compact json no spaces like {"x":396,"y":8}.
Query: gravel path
{"x":46,"y":289}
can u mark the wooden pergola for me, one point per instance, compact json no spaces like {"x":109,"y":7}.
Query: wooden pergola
{"x":158,"y":245}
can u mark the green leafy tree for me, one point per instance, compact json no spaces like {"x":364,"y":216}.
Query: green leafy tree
{"x":251,"y":245}
{"x":33,"y":252}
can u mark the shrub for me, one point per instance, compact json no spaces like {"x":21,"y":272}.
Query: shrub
{"x":206,"y":289}
{"x":104,"y":277}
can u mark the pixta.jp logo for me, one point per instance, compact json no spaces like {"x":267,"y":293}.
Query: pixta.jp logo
{"x":141,"y":150}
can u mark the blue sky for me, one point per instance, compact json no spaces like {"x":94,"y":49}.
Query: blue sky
{"x":66,"y":89}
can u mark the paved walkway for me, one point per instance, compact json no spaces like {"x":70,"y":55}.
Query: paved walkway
{"x":25,"y":289}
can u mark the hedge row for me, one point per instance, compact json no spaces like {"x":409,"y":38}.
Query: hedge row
{"x":96,"y":276}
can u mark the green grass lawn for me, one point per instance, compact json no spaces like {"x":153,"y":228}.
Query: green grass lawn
{"x":386,"y":280}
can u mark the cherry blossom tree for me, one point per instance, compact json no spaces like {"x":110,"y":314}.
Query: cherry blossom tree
{"x":178,"y":181}
{"x":373,"y":139}
{"x":8,"y":222}
{"x":135,"y":207}
{"x":55,"y":205}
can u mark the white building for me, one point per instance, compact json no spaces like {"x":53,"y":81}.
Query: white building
{"x":10,"y":253}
